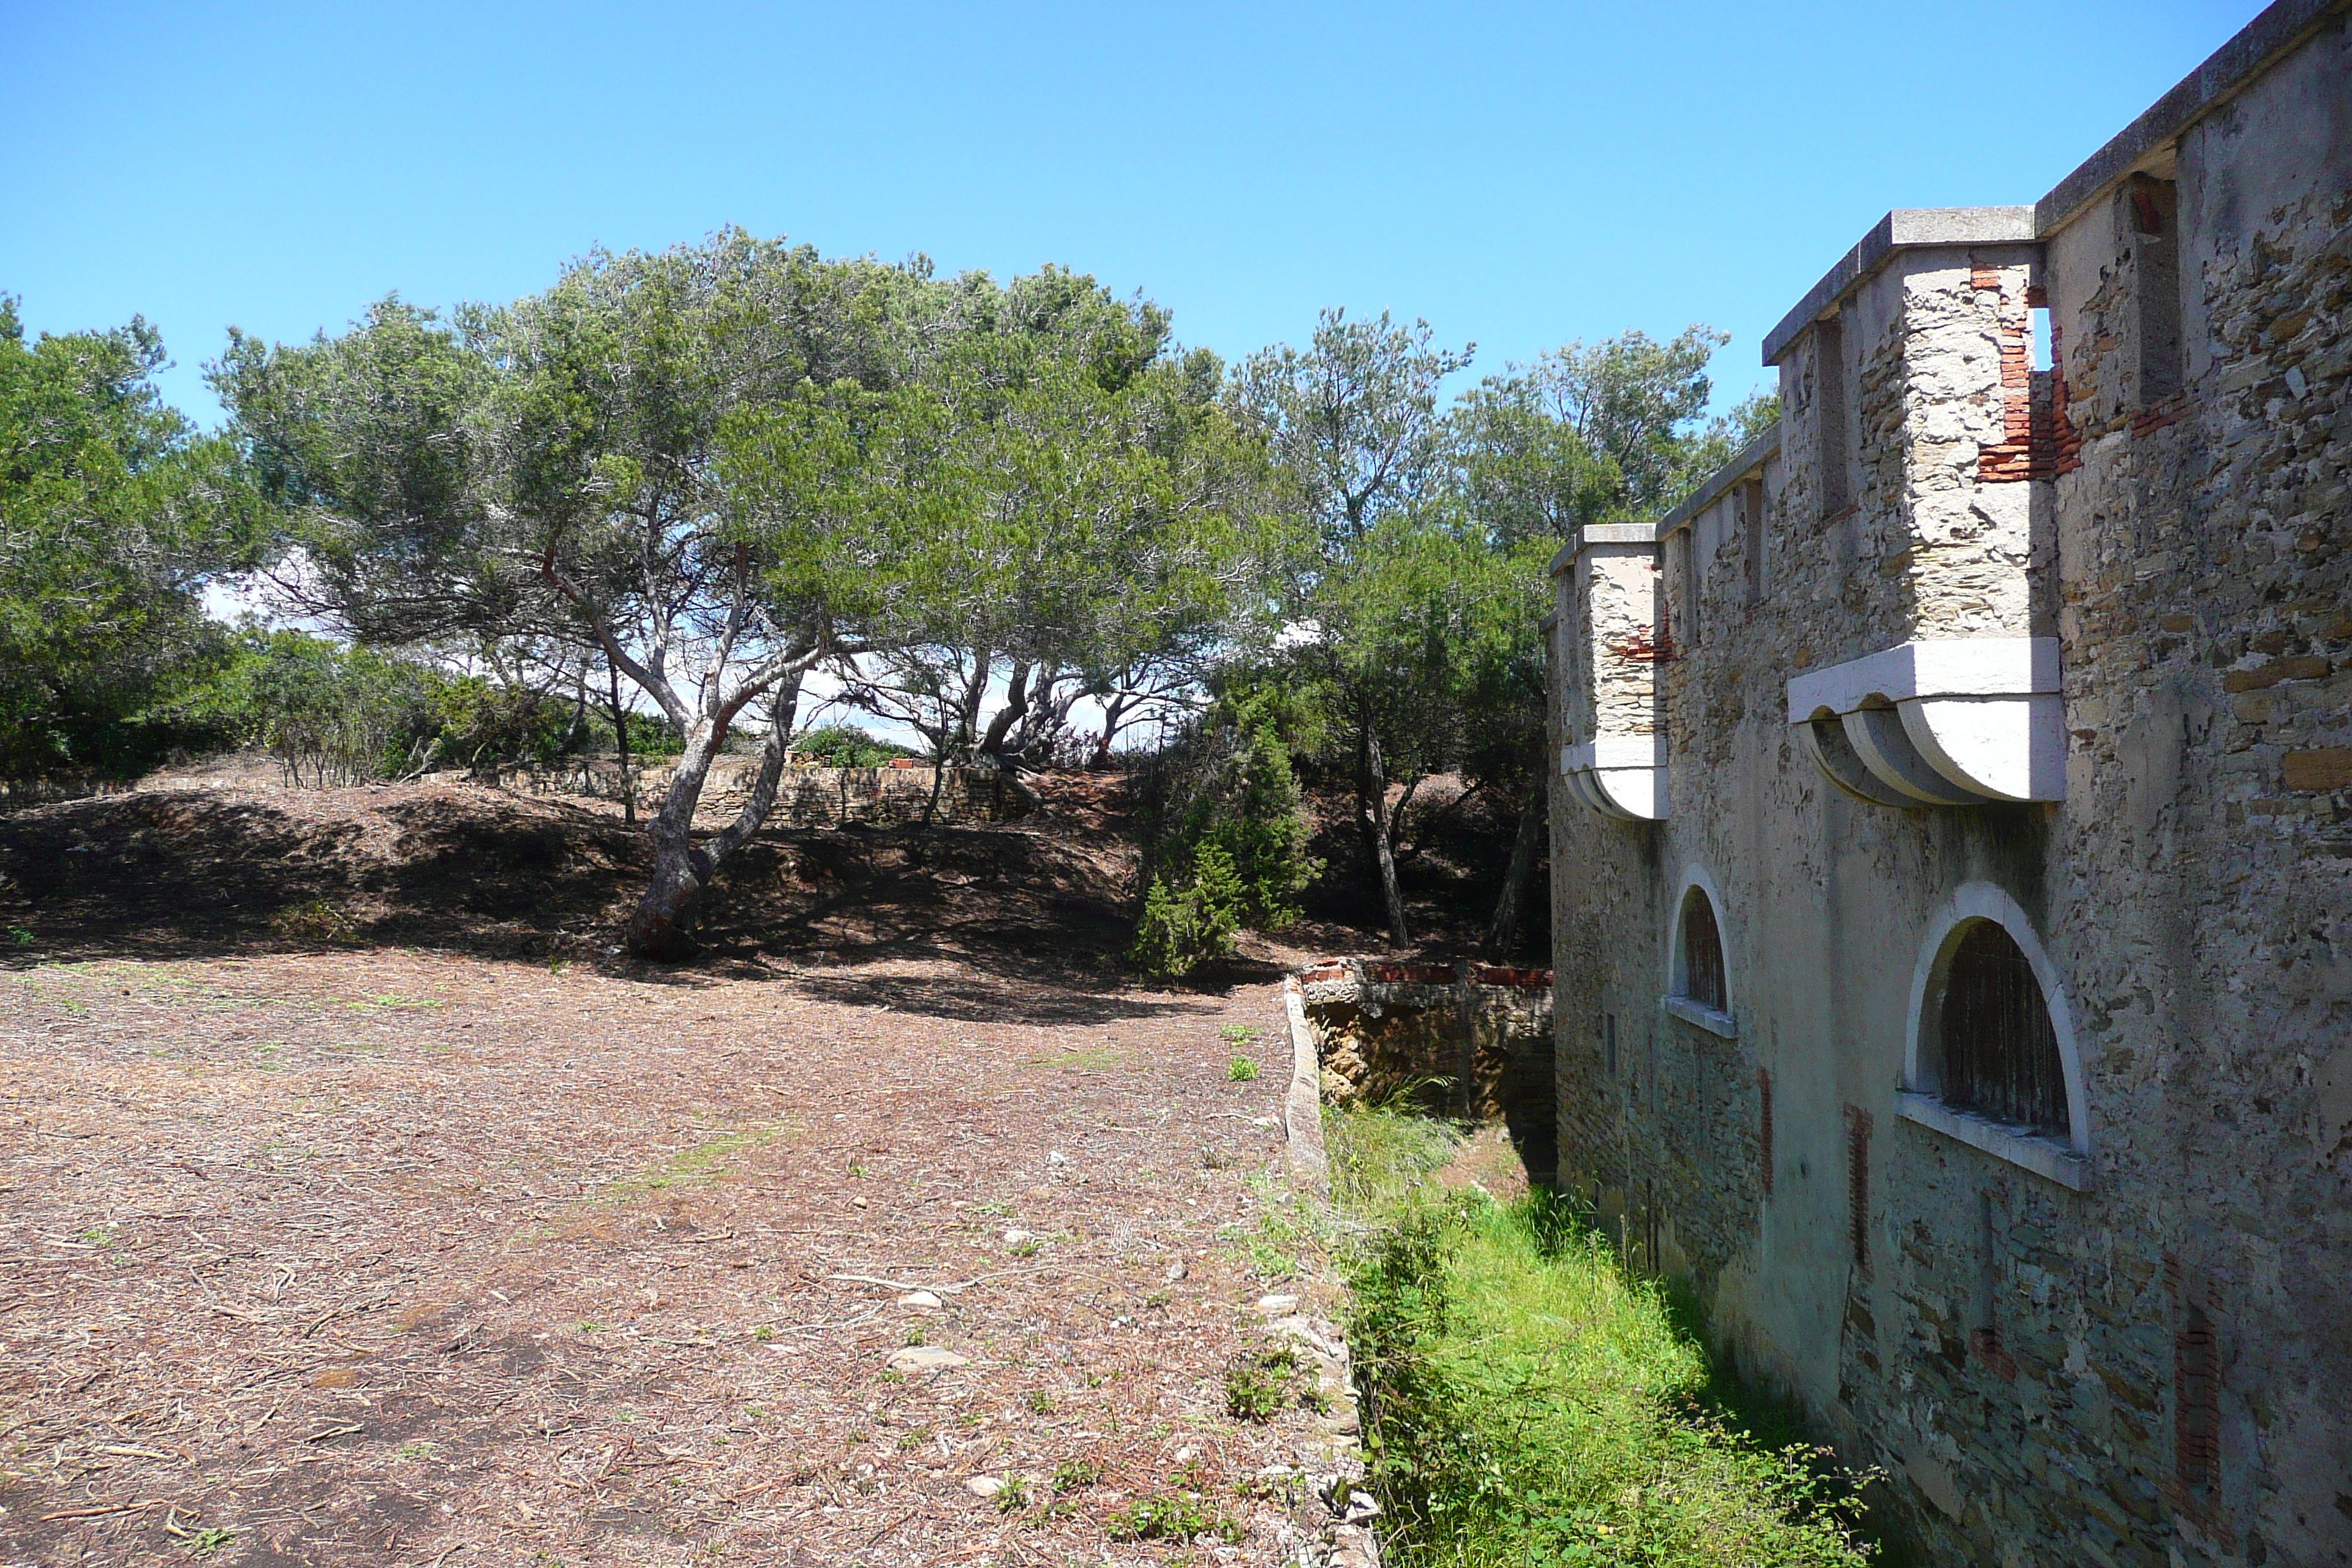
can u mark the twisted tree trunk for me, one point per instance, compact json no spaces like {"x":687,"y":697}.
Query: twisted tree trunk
{"x":1377,"y":779}
{"x":664,"y":922}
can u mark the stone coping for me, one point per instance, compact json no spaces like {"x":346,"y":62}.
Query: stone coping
{"x":2213,"y":84}
{"x":1904,"y":229}
{"x":1749,"y":459}
{"x":1362,"y":972}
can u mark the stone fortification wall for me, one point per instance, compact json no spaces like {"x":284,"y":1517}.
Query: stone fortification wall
{"x":2127,"y":1350}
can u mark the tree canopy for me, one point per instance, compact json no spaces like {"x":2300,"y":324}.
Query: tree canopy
{"x":723,"y":465}
{"x":114,"y":513}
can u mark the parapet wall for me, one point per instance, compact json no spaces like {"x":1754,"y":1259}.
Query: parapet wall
{"x":1469,"y":1039}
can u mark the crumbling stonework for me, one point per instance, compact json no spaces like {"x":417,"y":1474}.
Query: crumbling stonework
{"x":1472,"y":1040}
{"x":2128,"y":1341}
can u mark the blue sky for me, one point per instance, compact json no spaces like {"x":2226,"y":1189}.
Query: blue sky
{"x":1519,"y":176}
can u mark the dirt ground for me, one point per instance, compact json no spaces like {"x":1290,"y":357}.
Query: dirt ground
{"x":361,"y":1207}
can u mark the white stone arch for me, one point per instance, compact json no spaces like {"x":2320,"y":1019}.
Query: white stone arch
{"x":1972,"y":902}
{"x":1677,"y":998}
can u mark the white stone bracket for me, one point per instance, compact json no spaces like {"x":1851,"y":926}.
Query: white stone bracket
{"x":1621,"y":776}
{"x":1947,"y":723}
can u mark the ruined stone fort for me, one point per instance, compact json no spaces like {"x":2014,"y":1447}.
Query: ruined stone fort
{"x":1952,"y":851}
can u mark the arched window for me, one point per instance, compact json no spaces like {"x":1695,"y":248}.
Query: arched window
{"x":1997,"y":1053}
{"x":1991,"y":1057}
{"x":1699,"y":968}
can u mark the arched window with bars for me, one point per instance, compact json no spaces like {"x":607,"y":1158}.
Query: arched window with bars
{"x":1991,"y":1059}
{"x":1997,"y":1053}
{"x":1698,"y":955}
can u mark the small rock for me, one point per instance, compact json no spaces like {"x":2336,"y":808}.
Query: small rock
{"x":1184,"y":1456}
{"x":1360,"y":1507}
{"x":926,"y":1358}
{"x":1175,"y":1272}
{"x":918,"y":1298}
{"x":984,"y":1486}
{"x":1016,"y":1237}
{"x":1277,"y":1303}
{"x":1056,"y":1157}
{"x":857,"y":1203}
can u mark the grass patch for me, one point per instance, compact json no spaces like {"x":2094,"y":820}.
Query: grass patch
{"x":1526,"y":1401}
{"x":1083,"y":1058}
{"x":1381,"y":1157}
{"x":697,"y":1166}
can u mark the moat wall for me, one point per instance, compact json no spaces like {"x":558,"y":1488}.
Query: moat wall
{"x":2133,"y":1348}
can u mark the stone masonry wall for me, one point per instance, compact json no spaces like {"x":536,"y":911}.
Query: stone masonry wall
{"x":2151,"y":1372}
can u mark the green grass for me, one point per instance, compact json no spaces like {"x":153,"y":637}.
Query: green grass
{"x":1527,"y":1401}
{"x":1242,"y":1070}
{"x":1381,"y":1157}
{"x":699,"y":1165}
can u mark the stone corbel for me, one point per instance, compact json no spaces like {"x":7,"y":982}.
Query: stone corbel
{"x":1955,"y":723}
{"x":1623,"y":777}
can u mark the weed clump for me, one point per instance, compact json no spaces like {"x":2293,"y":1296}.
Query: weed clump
{"x":1528,"y":1401}
{"x":1260,"y":1383}
{"x":1171,"y":1517}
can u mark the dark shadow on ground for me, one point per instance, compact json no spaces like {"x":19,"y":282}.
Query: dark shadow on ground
{"x":1452,"y":854}
{"x":1027,"y":923}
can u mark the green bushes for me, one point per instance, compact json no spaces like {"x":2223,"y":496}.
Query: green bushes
{"x":333,"y":714}
{"x":1526,"y":1402}
{"x":1182,"y":930}
{"x":845,"y":746}
{"x":1228,"y":844}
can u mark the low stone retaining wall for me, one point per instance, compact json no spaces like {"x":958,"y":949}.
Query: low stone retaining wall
{"x":805,"y":797}
{"x":1466,"y":1039}
{"x":42,"y":791}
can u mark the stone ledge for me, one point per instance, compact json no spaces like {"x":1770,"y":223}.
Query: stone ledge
{"x":1904,"y":229}
{"x":2213,"y":84}
{"x":1701,"y":1016}
{"x":2045,"y":1157}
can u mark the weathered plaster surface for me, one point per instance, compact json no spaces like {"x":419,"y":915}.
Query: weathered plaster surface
{"x":2008,"y":1347}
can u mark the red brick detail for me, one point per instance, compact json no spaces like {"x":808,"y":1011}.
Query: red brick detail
{"x":1414,"y":973}
{"x":1857,"y":1183}
{"x":1646,"y":646}
{"x":1523,"y":979}
{"x":2157,"y":415}
{"x":2038,"y":440}
{"x":1984,"y":1344}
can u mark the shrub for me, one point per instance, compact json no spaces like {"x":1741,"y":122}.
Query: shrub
{"x":1242,"y":1070}
{"x":1183,"y":929}
{"x":1227,"y":820}
{"x":845,"y":746}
